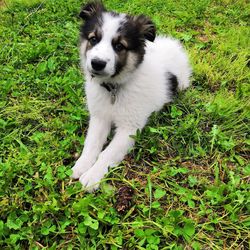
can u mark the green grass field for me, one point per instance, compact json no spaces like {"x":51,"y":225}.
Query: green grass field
{"x":186,"y":183}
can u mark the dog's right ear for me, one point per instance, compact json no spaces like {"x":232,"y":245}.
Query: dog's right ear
{"x":146,"y":27}
{"x":91,"y":9}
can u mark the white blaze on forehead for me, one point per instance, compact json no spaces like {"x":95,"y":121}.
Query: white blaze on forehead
{"x":111,"y":24}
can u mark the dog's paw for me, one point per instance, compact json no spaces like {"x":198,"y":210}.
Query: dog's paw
{"x":80,"y":168}
{"x":91,"y":179}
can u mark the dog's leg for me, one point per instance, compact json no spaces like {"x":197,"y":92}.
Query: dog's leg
{"x":96,"y":137}
{"x":111,"y":156}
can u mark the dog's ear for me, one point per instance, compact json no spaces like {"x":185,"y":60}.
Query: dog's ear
{"x":146,"y":27}
{"x":91,"y":9}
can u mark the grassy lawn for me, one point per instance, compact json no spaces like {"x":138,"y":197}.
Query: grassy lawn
{"x":186,"y":183}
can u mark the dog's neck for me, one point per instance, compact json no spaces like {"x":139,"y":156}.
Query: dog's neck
{"x":112,"y":88}
{"x":109,"y":86}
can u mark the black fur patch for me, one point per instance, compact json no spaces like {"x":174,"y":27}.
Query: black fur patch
{"x":91,"y":13}
{"x":92,"y":9}
{"x":172,"y":82}
{"x":91,"y":25}
{"x":120,"y":62}
{"x":146,"y":27}
{"x":131,"y":32}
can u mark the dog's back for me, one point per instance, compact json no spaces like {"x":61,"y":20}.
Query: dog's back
{"x":168,"y":55}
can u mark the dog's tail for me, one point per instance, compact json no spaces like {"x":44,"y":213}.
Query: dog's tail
{"x":178,"y":62}
{"x":184,"y":76}
{"x":184,"y":70}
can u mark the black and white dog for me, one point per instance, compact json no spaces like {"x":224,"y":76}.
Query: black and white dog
{"x":130,"y":72}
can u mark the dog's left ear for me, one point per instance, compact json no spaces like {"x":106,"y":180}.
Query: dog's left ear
{"x":146,"y":26}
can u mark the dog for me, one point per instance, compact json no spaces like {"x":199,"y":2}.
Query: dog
{"x":130,"y":73}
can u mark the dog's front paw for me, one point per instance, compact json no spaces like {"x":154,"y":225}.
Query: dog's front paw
{"x":91,"y":179}
{"x":80,"y":167}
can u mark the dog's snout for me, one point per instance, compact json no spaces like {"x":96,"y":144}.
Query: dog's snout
{"x":98,"y":64}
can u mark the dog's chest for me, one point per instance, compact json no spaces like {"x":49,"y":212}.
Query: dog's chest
{"x":119,"y":105}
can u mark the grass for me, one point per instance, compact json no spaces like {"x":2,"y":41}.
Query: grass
{"x":185,"y":185}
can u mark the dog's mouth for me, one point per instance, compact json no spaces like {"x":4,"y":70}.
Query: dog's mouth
{"x":98,"y":74}
{"x":93,"y":74}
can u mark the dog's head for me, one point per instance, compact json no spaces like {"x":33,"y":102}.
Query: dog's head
{"x":112,"y":43}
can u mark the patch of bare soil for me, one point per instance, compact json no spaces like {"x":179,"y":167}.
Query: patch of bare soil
{"x":124,"y":199}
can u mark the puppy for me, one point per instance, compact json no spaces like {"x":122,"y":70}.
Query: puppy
{"x":130,"y":73}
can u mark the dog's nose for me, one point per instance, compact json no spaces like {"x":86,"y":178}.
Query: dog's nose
{"x":98,"y":64}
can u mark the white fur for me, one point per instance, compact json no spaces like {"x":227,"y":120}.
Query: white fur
{"x":141,"y":92}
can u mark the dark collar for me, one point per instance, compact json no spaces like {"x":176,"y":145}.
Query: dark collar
{"x":112,"y":88}
{"x":109,"y":86}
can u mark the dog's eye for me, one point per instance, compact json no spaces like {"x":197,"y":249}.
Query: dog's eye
{"x":93,"y":40}
{"x":119,"y":47}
